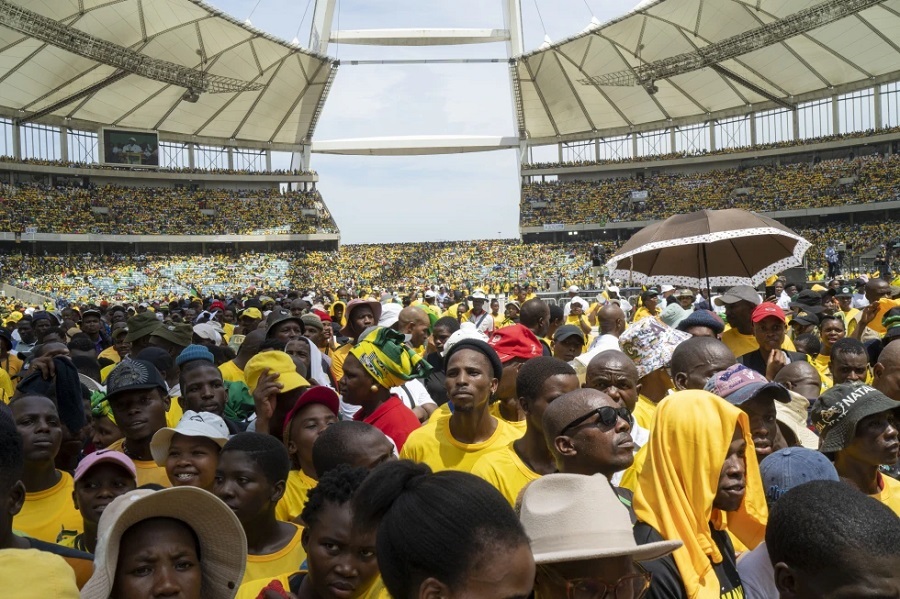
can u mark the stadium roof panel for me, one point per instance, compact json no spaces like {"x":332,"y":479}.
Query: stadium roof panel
{"x":675,"y":62}
{"x":254,"y":90}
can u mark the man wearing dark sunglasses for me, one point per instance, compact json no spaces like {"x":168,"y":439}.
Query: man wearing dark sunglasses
{"x":589,"y":433}
{"x":578,"y":554}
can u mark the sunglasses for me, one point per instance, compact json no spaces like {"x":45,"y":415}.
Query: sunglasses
{"x":632,"y":586}
{"x":608,"y":417}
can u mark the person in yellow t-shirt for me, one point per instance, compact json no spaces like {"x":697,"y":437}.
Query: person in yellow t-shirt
{"x":99,"y":478}
{"x":315,"y":410}
{"x":456,"y":441}
{"x":856,"y":426}
{"x":233,"y":370}
{"x":119,"y":348}
{"x":250,"y":479}
{"x":8,"y":360}
{"x":360,"y":314}
{"x":831,"y":329}
{"x":136,"y":393}
{"x":48,"y":508}
{"x":539,"y":383}
{"x":739,"y":302}
{"x":338,"y":553}
{"x":649,"y":302}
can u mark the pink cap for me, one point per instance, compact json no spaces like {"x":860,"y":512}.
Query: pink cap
{"x":104,"y":456}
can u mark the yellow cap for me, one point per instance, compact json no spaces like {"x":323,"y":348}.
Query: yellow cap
{"x":771,"y":280}
{"x":277,"y":362}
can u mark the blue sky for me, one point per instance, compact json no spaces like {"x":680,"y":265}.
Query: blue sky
{"x":431,"y":198}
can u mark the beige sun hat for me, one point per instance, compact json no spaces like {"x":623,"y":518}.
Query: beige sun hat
{"x":223,"y":545}
{"x":559,"y":514}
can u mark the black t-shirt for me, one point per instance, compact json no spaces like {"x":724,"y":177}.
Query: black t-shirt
{"x":666,"y":582}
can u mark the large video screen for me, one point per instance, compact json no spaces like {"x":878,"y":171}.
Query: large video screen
{"x":131,"y":148}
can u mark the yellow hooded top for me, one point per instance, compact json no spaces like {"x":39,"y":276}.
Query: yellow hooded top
{"x":678,"y":483}
{"x":343,"y":305}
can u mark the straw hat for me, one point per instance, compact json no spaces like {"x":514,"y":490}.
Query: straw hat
{"x":223,"y":545}
{"x":559,"y":514}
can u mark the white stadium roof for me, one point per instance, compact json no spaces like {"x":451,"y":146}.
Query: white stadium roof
{"x":675,"y":62}
{"x":177,"y":66}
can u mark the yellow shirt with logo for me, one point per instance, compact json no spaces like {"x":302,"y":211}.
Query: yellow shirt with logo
{"x":147,"y":470}
{"x":433,"y":444}
{"x":45,"y":514}
{"x":506,"y":472}
{"x":821,"y":364}
{"x":295,"y":493}
{"x":272,"y":565}
{"x":110,"y":353}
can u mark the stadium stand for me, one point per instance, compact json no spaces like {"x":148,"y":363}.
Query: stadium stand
{"x":162,"y":169}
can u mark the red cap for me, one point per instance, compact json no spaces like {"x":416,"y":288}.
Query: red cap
{"x":217,"y":305}
{"x":516,"y":341}
{"x":321,"y":395}
{"x":323,"y":315}
{"x":766,"y":310}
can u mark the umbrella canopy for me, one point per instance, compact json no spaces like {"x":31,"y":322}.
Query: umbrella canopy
{"x":709,"y":248}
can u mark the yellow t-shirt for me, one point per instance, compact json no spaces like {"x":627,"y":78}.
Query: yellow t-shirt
{"x":506,"y":471}
{"x":230,"y":372}
{"x":110,"y":353}
{"x":520,"y":425}
{"x":337,"y":361}
{"x":147,"y":470}
{"x":271,"y":565}
{"x":435,"y":446}
{"x":295,"y":493}
{"x":12,"y":365}
{"x":104,"y":372}
{"x":173,"y":416}
{"x":744,"y":344}
{"x":644,"y":412}
{"x":889,"y":494}
{"x":6,"y":386}
{"x":821,"y":363}
{"x":47,"y":513}
{"x":642,"y":313}
{"x":251,"y":589}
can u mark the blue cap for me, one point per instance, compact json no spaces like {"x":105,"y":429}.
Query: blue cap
{"x":793,"y":466}
{"x":702,"y":318}
{"x":194,"y":352}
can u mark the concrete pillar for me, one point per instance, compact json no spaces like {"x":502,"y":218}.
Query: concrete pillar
{"x":712,"y":135}
{"x":835,"y":115}
{"x":231,"y":158}
{"x":752,"y":128}
{"x":876,"y":112}
{"x":671,"y":139}
{"x":559,"y":149}
{"x":634,"y":145}
{"x":190,"y":150}
{"x":17,"y":141}
{"x":268,"y":160}
{"x":795,"y":122}
{"x":63,"y":144}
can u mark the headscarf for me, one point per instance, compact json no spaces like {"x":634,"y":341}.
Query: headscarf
{"x":316,"y":372}
{"x":100,"y":406}
{"x":384,"y":356}
{"x":678,"y":483}
{"x":343,"y":305}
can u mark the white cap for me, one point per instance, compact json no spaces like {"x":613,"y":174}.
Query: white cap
{"x":207,"y":331}
{"x":192,"y":424}
{"x":573,"y":289}
{"x":390,"y":314}
{"x":467,"y":330}
{"x":430,"y":293}
{"x":666,"y":288}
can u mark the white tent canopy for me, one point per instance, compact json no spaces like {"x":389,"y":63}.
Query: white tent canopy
{"x":254,"y":90}
{"x":675,"y":62}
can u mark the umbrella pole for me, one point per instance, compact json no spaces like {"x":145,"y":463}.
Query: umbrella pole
{"x":706,"y":271}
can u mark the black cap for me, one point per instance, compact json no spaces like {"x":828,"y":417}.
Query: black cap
{"x":132,"y":375}
{"x":479,"y":346}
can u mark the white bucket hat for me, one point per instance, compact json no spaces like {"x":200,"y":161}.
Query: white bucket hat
{"x":223,"y":545}
{"x":192,"y":424}
{"x":559,"y":514}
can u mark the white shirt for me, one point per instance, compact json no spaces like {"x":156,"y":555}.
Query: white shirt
{"x":757,"y":574}
{"x":859,"y":301}
{"x":486,"y":324}
{"x":413,"y":394}
{"x":640,"y":436}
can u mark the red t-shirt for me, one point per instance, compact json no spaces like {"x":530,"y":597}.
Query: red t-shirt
{"x":392,"y":418}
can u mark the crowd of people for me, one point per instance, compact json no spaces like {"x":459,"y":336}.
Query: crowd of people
{"x":333,"y":444}
{"x":859,"y":180}
{"x":161,"y":169}
{"x":119,"y":210}
{"x":704,"y":152}
{"x":495,"y":265}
